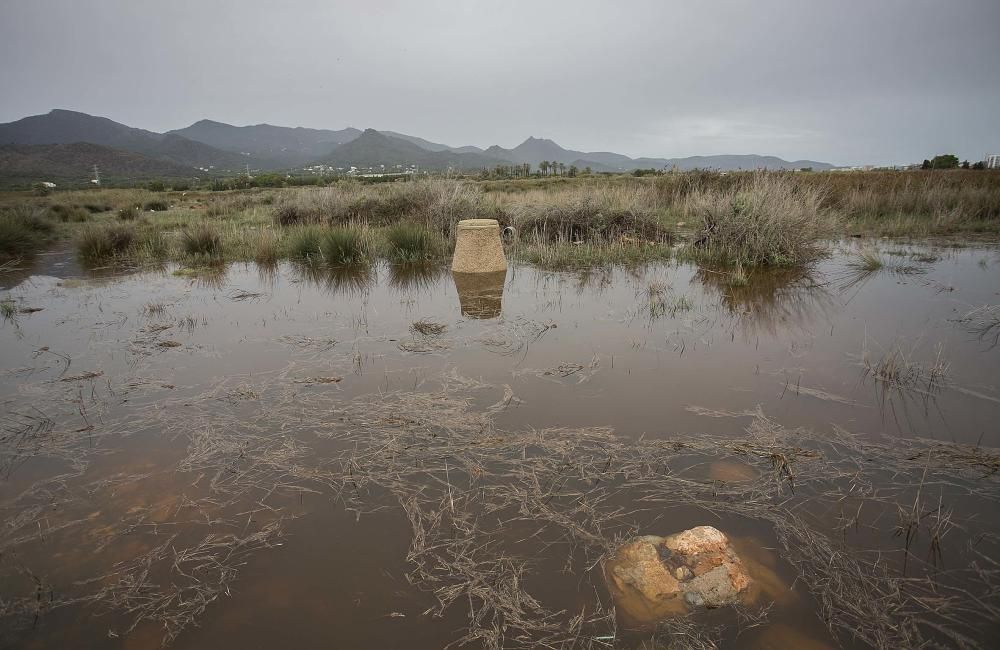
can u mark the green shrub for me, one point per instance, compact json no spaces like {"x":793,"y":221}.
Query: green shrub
{"x":202,"y":240}
{"x":180,"y":186}
{"x":104,"y":243}
{"x":408,"y":242}
{"x":341,"y":246}
{"x":156,"y":206}
{"x":156,"y":186}
{"x":95,"y":208}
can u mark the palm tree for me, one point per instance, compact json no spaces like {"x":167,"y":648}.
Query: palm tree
{"x":543,"y":167}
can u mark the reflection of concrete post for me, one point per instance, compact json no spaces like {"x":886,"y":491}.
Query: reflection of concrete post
{"x":480,"y":294}
{"x":478,"y":248}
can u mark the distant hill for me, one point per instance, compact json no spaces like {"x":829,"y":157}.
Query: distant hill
{"x":220,"y":148}
{"x":282,"y":145}
{"x":67,"y":127}
{"x":534,"y":150}
{"x":373,"y":149}
{"x":73,"y":163}
{"x":278,"y":146}
{"x":730,"y":163}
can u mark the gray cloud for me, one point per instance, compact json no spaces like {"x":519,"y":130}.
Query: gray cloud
{"x":850,"y":81}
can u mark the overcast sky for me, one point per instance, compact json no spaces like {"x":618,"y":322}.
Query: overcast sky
{"x":845,"y":82}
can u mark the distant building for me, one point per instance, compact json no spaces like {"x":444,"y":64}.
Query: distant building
{"x":993,"y":161}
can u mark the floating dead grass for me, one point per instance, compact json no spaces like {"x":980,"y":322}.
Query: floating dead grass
{"x":486,"y":506}
{"x":984,"y":322}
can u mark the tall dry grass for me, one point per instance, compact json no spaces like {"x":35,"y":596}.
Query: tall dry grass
{"x":765,"y":220}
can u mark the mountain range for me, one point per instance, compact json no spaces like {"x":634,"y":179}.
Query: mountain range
{"x":39,"y":145}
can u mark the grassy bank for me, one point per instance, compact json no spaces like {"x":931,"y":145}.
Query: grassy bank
{"x":745,"y":219}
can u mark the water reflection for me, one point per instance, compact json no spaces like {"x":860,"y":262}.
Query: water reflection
{"x":206,"y":277}
{"x":350,"y":280}
{"x":769,"y":301}
{"x":416,"y":276}
{"x":480,"y":294}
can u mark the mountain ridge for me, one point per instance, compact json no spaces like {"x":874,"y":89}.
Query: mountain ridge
{"x":73,"y":162}
{"x":217,"y":147}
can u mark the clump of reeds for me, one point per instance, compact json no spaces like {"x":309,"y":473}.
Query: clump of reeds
{"x":659,"y":300}
{"x":343,"y":246}
{"x":8,"y":310}
{"x":409,"y":242}
{"x":267,"y":248}
{"x":22,"y":230}
{"x":868,"y":259}
{"x":303,"y":243}
{"x":202,"y":239}
{"x":152,"y":246}
{"x":427,"y":327}
{"x":69,"y":212}
{"x":597,"y":214}
{"x":289,"y":214}
{"x":128,"y":213}
{"x":97,"y":244}
{"x":767,"y":220}
{"x":896,"y":370}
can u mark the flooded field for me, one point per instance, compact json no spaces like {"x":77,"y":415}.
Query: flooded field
{"x":392,"y":456}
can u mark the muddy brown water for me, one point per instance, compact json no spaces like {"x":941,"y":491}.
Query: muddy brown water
{"x":103,"y":387}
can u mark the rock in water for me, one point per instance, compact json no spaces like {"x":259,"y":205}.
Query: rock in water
{"x":652,"y":578}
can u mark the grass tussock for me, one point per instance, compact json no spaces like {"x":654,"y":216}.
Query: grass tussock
{"x":868,"y":260}
{"x":102,"y":244}
{"x":343,"y":246}
{"x":23,"y":229}
{"x":267,"y":248}
{"x":408,"y":242}
{"x":69,"y":213}
{"x":896,"y":370}
{"x":303,"y":243}
{"x":8,"y":310}
{"x":768,"y":220}
{"x":202,"y":240}
{"x":128,"y":213}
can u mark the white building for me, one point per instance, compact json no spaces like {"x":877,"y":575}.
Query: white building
{"x":993,"y":161}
